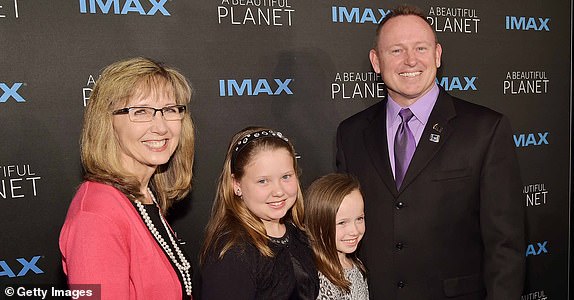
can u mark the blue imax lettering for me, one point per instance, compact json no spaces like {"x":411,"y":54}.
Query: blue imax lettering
{"x":539,"y":248}
{"x":342,"y":14}
{"x":262,"y":86}
{"x":525,"y":140}
{"x":524,"y":23}
{"x":129,"y":6}
{"x":8,"y":92}
{"x":455,"y":83}
{"x":22,"y":268}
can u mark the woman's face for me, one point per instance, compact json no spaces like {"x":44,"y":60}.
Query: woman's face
{"x":269,"y":185}
{"x":146,"y":145}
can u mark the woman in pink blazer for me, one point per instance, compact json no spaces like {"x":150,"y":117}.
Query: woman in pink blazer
{"x":137,"y":149}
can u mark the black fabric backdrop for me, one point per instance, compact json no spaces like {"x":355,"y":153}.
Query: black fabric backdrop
{"x":298,"y":66}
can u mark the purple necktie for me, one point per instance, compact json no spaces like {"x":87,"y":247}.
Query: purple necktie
{"x":404,"y":146}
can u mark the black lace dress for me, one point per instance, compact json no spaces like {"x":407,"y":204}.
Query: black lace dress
{"x":243,"y":273}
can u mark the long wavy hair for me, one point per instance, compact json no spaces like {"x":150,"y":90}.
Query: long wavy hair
{"x":322,"y":201}
{"x":100,"y":150}
{"x":231,"y":222}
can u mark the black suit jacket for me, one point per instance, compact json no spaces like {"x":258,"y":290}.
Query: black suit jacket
{"x":455,"y":229}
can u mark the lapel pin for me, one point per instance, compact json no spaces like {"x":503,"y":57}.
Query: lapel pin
{"x":437,"y":127}
{"x":434,"y":138}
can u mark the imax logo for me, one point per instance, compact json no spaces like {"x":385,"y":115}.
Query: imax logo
{"x":341,"y":14}
{"x":128,"y":6}
{"x":525,"y":140}
{"x":455,"y":83}
{"x":8,"y":92}
{"x":262,"y":86}
{"x":537,"y":249}
{"x":27,"y":266}
{"x":523,"y":23}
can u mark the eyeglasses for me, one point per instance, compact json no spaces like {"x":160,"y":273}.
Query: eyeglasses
{"x":146,"y":114}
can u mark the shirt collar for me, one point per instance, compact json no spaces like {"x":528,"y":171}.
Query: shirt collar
{"x":421,"y":109}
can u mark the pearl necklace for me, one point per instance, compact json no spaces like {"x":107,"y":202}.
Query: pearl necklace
{"x":182,"y":267}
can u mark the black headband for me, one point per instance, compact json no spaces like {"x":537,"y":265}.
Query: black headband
{"x":248,"y":138}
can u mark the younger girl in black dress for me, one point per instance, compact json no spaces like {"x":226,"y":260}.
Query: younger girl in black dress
{"x":255,"y":246}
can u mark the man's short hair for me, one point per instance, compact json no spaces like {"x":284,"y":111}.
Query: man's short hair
{"x":402,"y":10}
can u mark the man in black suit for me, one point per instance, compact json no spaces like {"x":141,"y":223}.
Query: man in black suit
{"x":443,"y":203}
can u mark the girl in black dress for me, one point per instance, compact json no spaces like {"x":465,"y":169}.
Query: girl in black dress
{"x":255,"y":246}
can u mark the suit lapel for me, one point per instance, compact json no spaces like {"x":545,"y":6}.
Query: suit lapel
{"x":437,"y":126}
{"x":375,"y":137}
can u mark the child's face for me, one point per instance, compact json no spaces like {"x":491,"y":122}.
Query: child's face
{"x":269,"y":185}
{"x":350,"y":222}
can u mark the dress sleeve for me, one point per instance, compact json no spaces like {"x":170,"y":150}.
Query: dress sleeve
{"x":303,"y":263}
{"x":95,"y":251}
{"x":231,"y":277}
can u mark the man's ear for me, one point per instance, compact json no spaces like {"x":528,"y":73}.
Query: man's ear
{"x":374,"y":58}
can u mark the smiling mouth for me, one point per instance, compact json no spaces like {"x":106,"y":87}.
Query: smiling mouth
{"x":410,"y":74}
{"x":351,"y":242}
{"x":277,"y":204}
{"x":155,"y":145}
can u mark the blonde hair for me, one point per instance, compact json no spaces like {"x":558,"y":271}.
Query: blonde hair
{"x":229,"y":215}
{"x":322,"y":201}
{"x":100,"y":151}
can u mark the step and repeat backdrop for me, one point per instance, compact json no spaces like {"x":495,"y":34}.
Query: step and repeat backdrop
{"x":298,"y":66}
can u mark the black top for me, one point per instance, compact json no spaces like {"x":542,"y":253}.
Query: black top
{"x":154,"y":215}
{"x":243,"y":273}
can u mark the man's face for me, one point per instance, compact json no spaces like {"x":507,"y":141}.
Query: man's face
{"x":407,"y":57}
